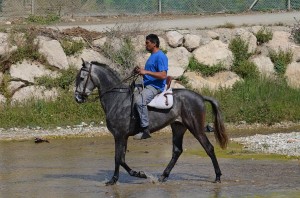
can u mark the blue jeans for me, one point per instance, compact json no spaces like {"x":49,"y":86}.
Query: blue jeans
{"x":141,"y":101}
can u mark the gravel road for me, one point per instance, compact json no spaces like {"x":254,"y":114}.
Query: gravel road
{"x":189,"y":22}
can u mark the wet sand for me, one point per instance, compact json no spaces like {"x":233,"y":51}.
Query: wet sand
{"x":79,"y":167}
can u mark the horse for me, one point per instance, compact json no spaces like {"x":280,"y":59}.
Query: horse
{"x":187,"y":113}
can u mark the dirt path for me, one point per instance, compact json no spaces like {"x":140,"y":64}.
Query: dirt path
{"x":186,"y":22}
{"x":79,"y":167}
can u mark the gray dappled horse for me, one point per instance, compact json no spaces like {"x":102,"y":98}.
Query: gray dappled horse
{"x":188,"y":112}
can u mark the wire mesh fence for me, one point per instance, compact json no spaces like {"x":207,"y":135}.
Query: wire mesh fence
{"x":138,"y":7}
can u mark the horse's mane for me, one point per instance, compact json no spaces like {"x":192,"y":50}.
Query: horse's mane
{"x":108,"y":68}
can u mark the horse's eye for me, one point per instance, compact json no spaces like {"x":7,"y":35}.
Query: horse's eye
{"x":82,"y":76}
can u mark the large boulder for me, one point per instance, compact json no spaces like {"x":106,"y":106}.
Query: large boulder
{"x":214,"y":53}
{"x":224,"y":79}
{"x":33,"y":92}
{"x":88,"y":55}
{"x":191,"y":41}
{"x":53,"y":52}
{"x":292,"y":74}
{"x":28,"y":71}
{"x":178,"y":61}
{"x":4,"y":45}
{"x":282,"y":41}
{"x":174,"y":38}
{"x":249,"y":38}
{"x":264,"y":65}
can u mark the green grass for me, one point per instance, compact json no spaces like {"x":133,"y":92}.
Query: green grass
{"x":237,"y":151}
{"x":205,"y":70}
{"x":62,"y":112}
{"x":260,"y":100}
{"x":43,"y":20}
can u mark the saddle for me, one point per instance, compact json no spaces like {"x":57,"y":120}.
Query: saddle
{"x":164,"y":100}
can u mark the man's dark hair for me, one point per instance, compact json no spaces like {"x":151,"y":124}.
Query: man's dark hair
{"x":153,"y":38}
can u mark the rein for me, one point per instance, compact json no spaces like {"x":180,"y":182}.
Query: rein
{"x":131,"y":76}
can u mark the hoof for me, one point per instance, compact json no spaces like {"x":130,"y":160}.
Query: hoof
{"x":111,"y":182}
{"x":141,"y":174}
{"x":162,"y":179}
{"x":217,"y":180}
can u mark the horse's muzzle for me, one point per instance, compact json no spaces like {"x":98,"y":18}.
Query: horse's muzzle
{"x":80,"y":98}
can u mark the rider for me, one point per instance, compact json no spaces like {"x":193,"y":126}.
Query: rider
{"x":154,"y":79}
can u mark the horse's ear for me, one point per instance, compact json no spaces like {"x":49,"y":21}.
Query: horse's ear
{"x":83,"y":62}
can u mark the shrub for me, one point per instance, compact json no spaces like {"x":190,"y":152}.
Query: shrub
{"x":43,"y":20}
{"x":295,"y":33}
{"x":124,"y":57}
{"x":264,"y":35}
{"x":281,"y":59}
{"x":72,"y":47}
{"x":64,"y":81}
{"x":246,"y":69}
{"x":241,"y":65}
{"x":205,"y":70}
{"x":227,"y":25}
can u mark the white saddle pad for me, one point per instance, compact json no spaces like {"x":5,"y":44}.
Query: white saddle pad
{"x":164,"y":100}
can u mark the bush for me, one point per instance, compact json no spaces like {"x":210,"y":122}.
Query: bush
{"x":43,"y":20}
{"x":239,"y":48}
{"x":258,"y":102}
{"x":64,"y":81}
{"x":295,"y":33}
{"x":246,"y":69}
{"x":72,"y":47}
{"x":205,"y":70}
{"x":241,"y":65}
{"x":281,"y":59}
{"x":264,"y":35}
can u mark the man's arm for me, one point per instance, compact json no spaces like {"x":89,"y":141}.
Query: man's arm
{"x":159,"y":75}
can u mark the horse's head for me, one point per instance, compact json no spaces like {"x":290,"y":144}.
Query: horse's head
{"x":84,"y":82}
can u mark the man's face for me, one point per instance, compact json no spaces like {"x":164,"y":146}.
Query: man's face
{"x":149,"y":45}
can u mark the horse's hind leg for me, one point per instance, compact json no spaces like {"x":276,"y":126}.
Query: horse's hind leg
{"x":178,"y":130}
{"x":200,"y":135}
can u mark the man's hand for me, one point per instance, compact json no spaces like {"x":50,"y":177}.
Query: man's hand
{"x":137,"y":70}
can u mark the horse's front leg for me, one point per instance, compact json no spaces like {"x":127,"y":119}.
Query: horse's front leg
{"x":120,"y":152}
{"x":178,"y":132}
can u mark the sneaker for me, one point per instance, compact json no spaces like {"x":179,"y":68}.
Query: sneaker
{"x":142,"y":135}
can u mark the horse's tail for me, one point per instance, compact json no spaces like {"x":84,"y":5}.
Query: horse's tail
{"x":220,"y":133}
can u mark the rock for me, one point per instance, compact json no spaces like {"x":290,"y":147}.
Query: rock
{"x":174,"y":38}
{"x":292,"y":74}
{"x":191,"y":42}
{"x":264,"y":65}
{"x":178,"y":61}
{"x":214,"y":53}
{"x":53,"y":52}
{"x":28,"y":71}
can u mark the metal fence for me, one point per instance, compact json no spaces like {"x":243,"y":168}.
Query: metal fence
{"x":138,"y":7}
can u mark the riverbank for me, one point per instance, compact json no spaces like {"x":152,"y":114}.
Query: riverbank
{"x":281,"y":138}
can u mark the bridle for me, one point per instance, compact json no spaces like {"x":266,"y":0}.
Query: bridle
{"x":89,"y":76}
{"x":132,"y":76}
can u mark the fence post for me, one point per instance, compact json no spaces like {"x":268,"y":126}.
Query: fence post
{"x":159,"y":6}
{"x":32,"y":7}
{"x":253,"y":4}
{"x":289,"y":5}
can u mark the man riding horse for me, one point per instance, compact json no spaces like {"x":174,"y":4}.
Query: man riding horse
{"x":154,"y":80}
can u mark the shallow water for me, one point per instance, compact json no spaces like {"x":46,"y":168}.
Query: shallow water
{"x":79,"y":167}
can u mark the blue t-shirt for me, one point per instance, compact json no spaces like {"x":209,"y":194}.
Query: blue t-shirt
{"x":157,"y":62}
